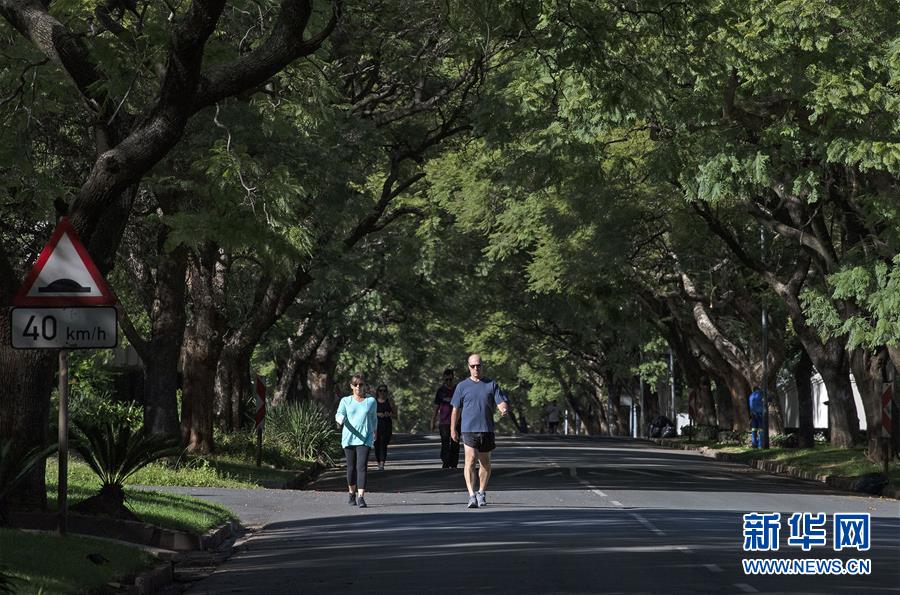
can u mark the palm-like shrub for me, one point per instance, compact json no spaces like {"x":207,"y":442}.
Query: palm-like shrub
{"x":114,"y":451}
{"x":13,"y":470}
{"x":306,"y":428}
{"x":8,"y":583}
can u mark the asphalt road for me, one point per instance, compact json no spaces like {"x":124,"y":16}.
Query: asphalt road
{"x":563,"y":516}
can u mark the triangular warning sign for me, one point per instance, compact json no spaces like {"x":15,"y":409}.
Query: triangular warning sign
{"x":64,"y":275}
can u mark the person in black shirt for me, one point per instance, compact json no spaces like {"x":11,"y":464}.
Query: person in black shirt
{"x":387,"y":411}
{"x":442,"y":413}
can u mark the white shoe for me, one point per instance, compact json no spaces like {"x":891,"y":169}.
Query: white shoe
{"x":381,"y":467}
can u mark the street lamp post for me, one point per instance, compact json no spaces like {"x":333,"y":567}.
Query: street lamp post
{"x":672,"y":383}
{"x":765,"y":351}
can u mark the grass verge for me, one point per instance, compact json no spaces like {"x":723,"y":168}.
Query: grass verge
{"x":171,"y":511}
{"x":825,"y":459}
{"x":24,"y":556}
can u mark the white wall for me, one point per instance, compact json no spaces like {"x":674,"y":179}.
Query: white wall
{"x":788,"y":395}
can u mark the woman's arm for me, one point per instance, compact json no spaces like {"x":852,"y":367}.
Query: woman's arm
{"x":341,"y":414}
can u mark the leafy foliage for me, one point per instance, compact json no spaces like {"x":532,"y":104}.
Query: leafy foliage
{"x":307,"y":429}
{"x":114,"y":451}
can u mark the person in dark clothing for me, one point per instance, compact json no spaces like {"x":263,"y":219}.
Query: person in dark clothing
{"x":443,"y":410}
{"x":387,"y":411}
{"x":757,"y":409}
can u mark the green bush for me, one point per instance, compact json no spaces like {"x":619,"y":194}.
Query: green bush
{"x":242,"y":446}
{"x":730,"y":437}
{"x":784,"y":440}
{"x":307,"y":429}
{"x":7,"y":583}
{"x":701,"y":432}
{"x":114,"y":451}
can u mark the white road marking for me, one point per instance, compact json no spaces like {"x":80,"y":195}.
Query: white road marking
{"x":746,"y":588}
{"x":656,"y":530}
{"x":615,"y":503}
{"x":557,"y":474}
{"x":713,"y":567}
{"x":591,"y":487}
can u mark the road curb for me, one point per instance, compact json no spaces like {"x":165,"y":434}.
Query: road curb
{"x":128,"y":531}
{"x":835,"y":481}
{"x":162,"y":575}
{"x":151,"y":581}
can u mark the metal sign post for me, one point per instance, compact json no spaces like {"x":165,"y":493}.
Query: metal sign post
{"x":886,"y":422}
{"x":62,"y":484}
{"x":260,"y":417}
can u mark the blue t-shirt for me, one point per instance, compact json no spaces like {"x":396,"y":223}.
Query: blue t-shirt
{"x":477,"y":401}
{"x":360,"y":421}
{"x":757,"y":405}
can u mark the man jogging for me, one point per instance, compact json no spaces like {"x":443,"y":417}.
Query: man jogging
{"x":474,"y":399}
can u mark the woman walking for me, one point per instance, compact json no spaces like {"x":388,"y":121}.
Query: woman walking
{"x":357,"y":413}
{"x":386,"y":413}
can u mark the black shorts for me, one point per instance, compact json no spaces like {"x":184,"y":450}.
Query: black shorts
{"x":480,"y":441}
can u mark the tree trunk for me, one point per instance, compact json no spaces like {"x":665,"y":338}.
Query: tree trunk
{"x":738,"y":392}
{"x":272,"y":296}
{"x":160,"y":359}
{"x":706,"y":403}
{"x":803,"y":372}
{"x":308,"y":338}
{"x":204,"y":338}
{"x":650,"y":406}
{"x":830,"y":359}
{"x":518,"y":422}
{"x":26,"y":379}
{"x":232,"y":386}
{"x":321,"y":373}
{"x":841,"y":409}
{"x":870,"y":373}
{"x":776,"y":412}
{"x":614,"y":394}
{"x":724,"y":405}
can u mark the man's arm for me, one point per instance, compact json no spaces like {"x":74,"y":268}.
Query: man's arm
{"x":454,"y":418}
{"x":501,"y":400}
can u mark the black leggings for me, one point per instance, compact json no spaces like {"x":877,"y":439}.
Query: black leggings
{"x":357,"y":459}
{"x":382,"y":439}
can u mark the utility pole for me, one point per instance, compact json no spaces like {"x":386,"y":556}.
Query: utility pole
{"x":641,"y":396}
{"x":765,"y":350}
{"x":672,"y":384}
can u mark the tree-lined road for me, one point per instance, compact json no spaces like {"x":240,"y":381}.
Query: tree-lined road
{"x":571,"y":516}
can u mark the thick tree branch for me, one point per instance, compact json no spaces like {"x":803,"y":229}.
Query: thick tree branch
{"x":284,"y":45}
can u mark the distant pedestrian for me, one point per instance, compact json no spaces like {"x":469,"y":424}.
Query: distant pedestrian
{"x":553,"y":417}
{"x":757,"y":408}
{"x":386,"y":412}
{"x":474,"y":400}
{"x":443,"y":411}
{"x":357,"y":413}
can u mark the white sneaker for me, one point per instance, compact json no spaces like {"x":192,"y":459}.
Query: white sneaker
{"x":381,"y":467}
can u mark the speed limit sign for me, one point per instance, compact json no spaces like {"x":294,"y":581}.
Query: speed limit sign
{"x":64,"y":328}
